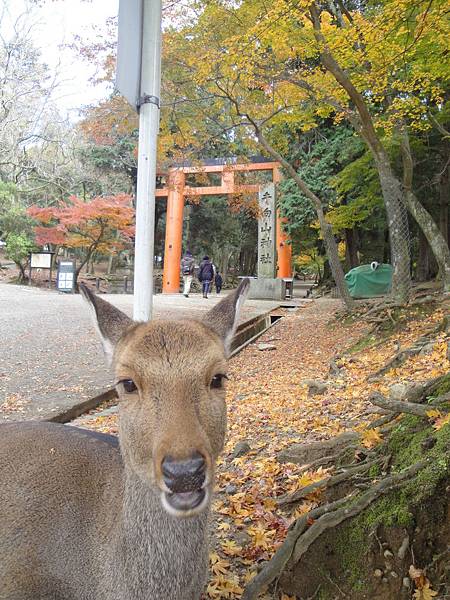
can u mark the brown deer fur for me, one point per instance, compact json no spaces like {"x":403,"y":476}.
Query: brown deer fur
{"x":81,"y":519}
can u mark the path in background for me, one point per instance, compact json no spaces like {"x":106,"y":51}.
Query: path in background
{"x":50,"y":355}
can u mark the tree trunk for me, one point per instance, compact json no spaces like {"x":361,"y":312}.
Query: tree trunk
{"x":90,"y":266}
{"x":434,"y":237}
{"x":351,"y":247}
{"x":326,"y":274}
{"x":112,"y":264}
{"x":386,"y":247}
{"x":444,"y":195}
{"x":398,"y":229}
{"x":390,"y":185}
{"x":423,"y":259}
{"x":22,"y":275}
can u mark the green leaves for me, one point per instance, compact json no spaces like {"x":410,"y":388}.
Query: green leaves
{"x":18,"y":247}
{"x":16,"y":227}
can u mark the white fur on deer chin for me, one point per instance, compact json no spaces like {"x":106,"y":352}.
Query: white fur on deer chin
{"x":185,"y":504}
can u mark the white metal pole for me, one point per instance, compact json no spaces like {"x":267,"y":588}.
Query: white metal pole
{"x":146,"y":177}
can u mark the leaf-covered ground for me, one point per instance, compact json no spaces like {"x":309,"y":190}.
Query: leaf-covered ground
{"x":269,"y":408}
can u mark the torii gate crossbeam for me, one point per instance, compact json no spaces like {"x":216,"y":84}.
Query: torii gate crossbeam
{"x":176,"y":192}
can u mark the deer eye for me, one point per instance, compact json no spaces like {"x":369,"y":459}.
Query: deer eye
{"x":128,"y":385}
{"x":217,"y":381}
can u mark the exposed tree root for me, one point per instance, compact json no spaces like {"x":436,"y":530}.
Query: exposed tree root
{"x":441,"y":400}
{"x":385,"y":420}
{"x":399,"y":406}
{"x":320,"y":462}
{"x":399,"y":359}
{"x":314,"y":452}
{"x":273,"y":568}
{"x":312,"y":525}
{"x":327,"y":482}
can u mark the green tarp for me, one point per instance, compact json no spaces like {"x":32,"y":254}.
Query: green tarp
{"x":365,"y":282}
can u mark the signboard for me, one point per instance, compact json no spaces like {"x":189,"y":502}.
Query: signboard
{"x":266,"y":232}
{"x":41,"y":260}
{"x":129,"y":50}
{"x":65,"y":278}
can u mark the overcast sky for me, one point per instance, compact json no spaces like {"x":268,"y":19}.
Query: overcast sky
{"x":58,"y":21}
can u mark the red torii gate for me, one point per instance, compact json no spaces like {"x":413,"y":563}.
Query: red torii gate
{"x":176,"y":191}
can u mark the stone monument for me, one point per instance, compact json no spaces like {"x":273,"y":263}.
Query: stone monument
{"x":266,"y":232}
{"x":266,"y":286}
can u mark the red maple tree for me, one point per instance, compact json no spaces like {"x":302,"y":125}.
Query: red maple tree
{"x":105,"y":225}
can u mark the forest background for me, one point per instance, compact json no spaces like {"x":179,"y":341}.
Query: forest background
{"x":351,"y":97}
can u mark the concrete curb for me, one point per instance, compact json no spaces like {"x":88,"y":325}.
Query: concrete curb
{"x":69,"y":414}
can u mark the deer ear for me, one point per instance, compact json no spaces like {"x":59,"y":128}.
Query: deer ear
{"x":223,"y":318}
{"x":109,"y":321}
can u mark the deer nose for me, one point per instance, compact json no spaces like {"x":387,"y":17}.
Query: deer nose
{"x":184,"y":475}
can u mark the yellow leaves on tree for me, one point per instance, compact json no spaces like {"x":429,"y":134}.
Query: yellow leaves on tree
{"x":264,"y":61}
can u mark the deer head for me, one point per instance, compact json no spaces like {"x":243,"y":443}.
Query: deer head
{"x":170,"y":378}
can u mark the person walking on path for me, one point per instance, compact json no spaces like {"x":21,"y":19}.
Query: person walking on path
{"x":213,"y":277}
{"x":218,"y":281}
{"x":206,"y":274}
{"x":187,"y":270}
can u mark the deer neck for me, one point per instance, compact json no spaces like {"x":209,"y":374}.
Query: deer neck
{"x":160,"y":556}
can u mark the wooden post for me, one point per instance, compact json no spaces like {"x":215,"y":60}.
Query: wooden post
{"x":228,"y":181}
{"x":174,"y":232}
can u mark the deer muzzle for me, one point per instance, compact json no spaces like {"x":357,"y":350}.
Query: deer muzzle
{"x":185,"y":481}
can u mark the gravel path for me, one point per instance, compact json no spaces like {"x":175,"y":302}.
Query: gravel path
{"x":50,"y":356}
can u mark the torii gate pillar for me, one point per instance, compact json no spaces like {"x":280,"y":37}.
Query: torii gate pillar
{"x":284,"y":247}
{"x":174,"y":232}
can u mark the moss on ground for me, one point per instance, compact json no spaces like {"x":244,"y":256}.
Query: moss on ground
{"x":400,"y":317}
{"x":407,"y":444}
{"x":443,"y":387}
{"x":364,"y":343}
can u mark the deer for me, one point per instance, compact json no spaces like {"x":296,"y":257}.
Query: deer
{"x":92,"y":516}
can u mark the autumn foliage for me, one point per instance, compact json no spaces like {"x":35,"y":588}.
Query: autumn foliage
{"x":104,"y":224}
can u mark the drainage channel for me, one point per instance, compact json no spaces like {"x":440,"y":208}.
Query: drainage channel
{"x":251,"y":330}
{"x":246,"y":333}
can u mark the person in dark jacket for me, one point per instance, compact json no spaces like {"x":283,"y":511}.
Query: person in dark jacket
{"x":213,"y":277}
{"x":206,"y":274}
{"x":187,"y":270}
{"x":218,"y":281}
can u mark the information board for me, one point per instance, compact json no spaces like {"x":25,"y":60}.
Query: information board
{"x":41,"y":260}
{"x":65,"y":279}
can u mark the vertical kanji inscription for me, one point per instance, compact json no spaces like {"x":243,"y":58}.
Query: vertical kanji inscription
{"x":266,"y":232}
